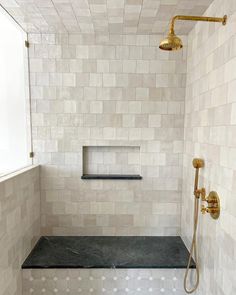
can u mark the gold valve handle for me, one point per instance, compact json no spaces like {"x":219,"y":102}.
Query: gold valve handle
{"x":212,"y":210}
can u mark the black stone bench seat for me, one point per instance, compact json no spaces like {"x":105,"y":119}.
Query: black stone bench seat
{"x":108,"y":252}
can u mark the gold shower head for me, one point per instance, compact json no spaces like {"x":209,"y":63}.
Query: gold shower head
{"x":172,"y":42}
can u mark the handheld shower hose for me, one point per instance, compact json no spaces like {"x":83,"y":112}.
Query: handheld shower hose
{"x":197,"y":163}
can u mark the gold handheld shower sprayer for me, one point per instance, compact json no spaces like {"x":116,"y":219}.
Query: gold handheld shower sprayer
{"x":172,"y":42}
{"x":213,"y":208}
{"x":197,"y":164}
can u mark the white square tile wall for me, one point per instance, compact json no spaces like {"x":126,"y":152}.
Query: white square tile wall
{"x":19,"y":225}
{"x":119,"y":90}
{"x":107,"y":90}
{"x":102,"y":16}
{"x":210,"y":133}
{"x":123,"y":160}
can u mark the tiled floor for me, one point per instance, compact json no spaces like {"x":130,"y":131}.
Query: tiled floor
{"x":103,"y":281}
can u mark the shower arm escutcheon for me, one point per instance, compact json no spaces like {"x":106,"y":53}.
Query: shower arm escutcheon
{"x":222,"y":20}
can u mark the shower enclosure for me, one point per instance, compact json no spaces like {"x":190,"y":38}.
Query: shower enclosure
{"x":115,"y":122}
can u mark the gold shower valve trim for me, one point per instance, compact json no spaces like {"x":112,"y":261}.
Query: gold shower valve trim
{"x":212,"y":200}
{"x":213,"y":207}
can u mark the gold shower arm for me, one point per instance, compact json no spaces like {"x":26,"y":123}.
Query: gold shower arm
{"x":197,"y":18}
{"x":173,"y":42}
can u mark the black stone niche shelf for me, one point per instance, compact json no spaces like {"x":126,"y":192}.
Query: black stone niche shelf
{"x":112,"y":176}
{"x":108,"y":252}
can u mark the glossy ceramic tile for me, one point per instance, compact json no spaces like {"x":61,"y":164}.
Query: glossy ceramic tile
{"x":210,"y":134}
{"x":100,"y":16}
{"x":106,"y":91}
{"x":19,"y":225}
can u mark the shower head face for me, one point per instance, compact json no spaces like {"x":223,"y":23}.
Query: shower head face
{"x":171,"y":43}
{"x":198,"y":163}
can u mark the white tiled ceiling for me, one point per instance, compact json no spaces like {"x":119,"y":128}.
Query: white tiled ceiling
{"x":103,"y":16}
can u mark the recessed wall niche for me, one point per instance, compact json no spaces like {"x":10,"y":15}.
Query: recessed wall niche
{"x":111,"y":162}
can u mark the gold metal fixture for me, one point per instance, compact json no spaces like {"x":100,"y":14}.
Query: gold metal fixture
{"x":172,"y":42}
{"x":31,"y":154}
{"x":212,"y":200}
{"x":213,"y":208}
{"x":213,"y":205}
{"x":197,"y":164}
{"x":27,"y":43}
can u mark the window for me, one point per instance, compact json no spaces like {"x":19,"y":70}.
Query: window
{"x":14,"y":97}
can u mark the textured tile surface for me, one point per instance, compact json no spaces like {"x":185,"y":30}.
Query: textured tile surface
{"x":111,"y":160}
{"x":19,"y":226}
{"x":107,"y":91}
{"x":103,"y":281}
{"x":103,"y":16}
{"x":210,"y":133}
{"x":108,"y":252}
